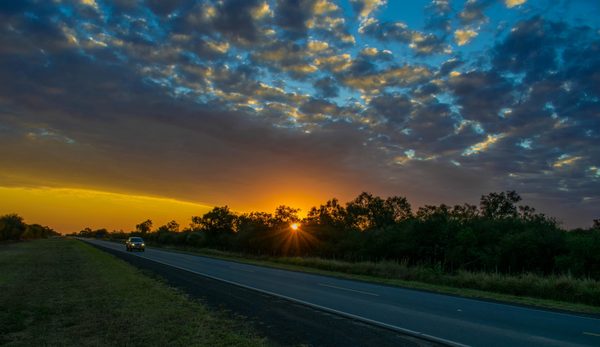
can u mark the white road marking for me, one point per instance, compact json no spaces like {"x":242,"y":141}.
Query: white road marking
{"x":591,"y":334}
{"x":319,"y":307}
{"x":348,"y":289}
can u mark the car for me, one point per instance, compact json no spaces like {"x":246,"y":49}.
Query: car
{"x":134,"y":243}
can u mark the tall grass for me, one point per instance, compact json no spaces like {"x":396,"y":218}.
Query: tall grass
{"x":564,"y":288}
{"x":554,"y":287}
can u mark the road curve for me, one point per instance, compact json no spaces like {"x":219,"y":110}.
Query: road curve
{"x":437,"y":317}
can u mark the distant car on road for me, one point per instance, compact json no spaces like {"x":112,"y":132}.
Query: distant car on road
{"x":134,"y":243}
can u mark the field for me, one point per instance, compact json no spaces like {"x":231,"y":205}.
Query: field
{"x":62,"y":292}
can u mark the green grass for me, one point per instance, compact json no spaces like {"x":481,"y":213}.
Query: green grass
{"x":62,"y":292}
{"x":552,"y":292}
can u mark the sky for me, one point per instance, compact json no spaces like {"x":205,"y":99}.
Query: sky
{"x":112,"y":112}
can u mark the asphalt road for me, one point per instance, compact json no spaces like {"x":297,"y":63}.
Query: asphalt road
{"x":281,"y":322}
{"x":441,"y":318}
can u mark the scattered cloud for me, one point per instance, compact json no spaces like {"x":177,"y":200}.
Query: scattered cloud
{"x":483,"y":145}
{"x":322,"y":99}
{"x":513,"y":3}
{"x":462,"y":37}
{"x":365,"y":8}
{"x":565,"y":160}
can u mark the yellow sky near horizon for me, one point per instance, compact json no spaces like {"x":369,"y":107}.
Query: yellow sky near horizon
{"x":69,"y":210}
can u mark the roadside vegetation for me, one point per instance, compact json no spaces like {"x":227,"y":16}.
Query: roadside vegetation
{"x":546,"y":291}
{"x":13,"y":228}
{"x":500,"y":246}
{"x":62,"y":292}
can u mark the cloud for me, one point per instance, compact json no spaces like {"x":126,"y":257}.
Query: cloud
{"x":292,"y":16}
{"x":513,"y":3}
{"x":327,"y":87}
{"x":289,"y":57}
{"x":462,"y":37}
{"x":565,"y":160}
{"x":481,"y":95}
{"x":364,"y":8}
{"x":483,"y":145}
{"x":163,"y":8}
{"x":316,"y":46}
{"x":324,"y":6}
{"x":530,"y":47}
{"x":473,"y":12}
{"x":236,"y":20}
{"x":395,"y":76}
{"x":421,"y":43}
{"x":91,"y":3}
{"x":335,"y":63}
{"x":438,"y":16}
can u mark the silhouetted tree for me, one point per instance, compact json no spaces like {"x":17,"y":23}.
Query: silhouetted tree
{"x":12,"y":227}
{"x":498,"y":235}
{"x":331,"y":214}
{"x":36,"y":231}
{"x":100,"y":233}
{"x":172,"y":226}
{"x":465,"y":213}
{"x":219,"y":219}
{"x":365,"y":212}
{"x":144,"y":227}
{"x":285,"y":215}
{"x":500,"y":205}
{"x":397,"y":209}
{"x":85,"y":232}
{"x":254,"y":232}
{"x":217,"y":225}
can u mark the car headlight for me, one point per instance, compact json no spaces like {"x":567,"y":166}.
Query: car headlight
{"x":143,"y":244}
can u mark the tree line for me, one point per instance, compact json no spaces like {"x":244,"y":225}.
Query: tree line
{"x":12,"y":227}
{"x":499,"y":235}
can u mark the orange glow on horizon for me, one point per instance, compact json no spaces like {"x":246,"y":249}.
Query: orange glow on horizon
{"x":69,"y":210}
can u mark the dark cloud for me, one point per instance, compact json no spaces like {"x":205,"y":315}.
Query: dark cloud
{"x":15,"y":7}
{"x":482,"y":95}
{"x":396,"y":31}
{"x":231,"y":19}
{"x":292,"y":16}
{"x":530,"y":47}
{"x":581,"y":58}
{"x":473,"y":11}
{"x":162,"y":8}
{"x":374,"y":54}
{"x":449,"y":65}
{"x":396,"y":108}
{"x":234,"y":20}
{"x":421,"y":43}
{"x":285,"y":56}
{"x":438,"y":16}
{"x":327,"y":87}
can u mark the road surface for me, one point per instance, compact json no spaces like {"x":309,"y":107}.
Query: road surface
{"x":441,"y":318}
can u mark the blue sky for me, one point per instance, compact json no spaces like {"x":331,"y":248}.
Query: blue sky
{"x":255,"y":103}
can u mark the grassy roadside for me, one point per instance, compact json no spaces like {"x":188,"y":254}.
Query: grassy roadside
{"x":466,"y":284}
{"x":62,"y":292}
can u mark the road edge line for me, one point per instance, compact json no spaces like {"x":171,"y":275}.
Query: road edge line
{"x":319,"y":307}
